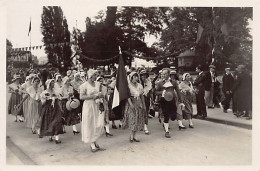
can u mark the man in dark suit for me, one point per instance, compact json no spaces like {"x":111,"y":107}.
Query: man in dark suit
{"x":228,"y":82}
{"x":199,"y":85}
{"x":242,"y":88}
{"x":169,"y":108}
{"x":210,"y":80}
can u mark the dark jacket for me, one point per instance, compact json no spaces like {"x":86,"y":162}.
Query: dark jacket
{"x":208,"y":81}
{"x":242,"y":89}
{"x":228,"y":81}
{"x":159,"y":89}
{"x":200,"y":81}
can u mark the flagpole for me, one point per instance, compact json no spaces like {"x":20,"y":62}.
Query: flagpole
{"x":30,"y":44}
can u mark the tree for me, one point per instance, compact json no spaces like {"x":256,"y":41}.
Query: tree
{"x":125,"y":27}
{"x":224,"y":34}
{"x":56,"y":36}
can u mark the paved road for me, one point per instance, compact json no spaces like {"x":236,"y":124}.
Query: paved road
{"x":208,"y":144}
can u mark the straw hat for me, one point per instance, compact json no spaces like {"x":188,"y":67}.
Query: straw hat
{"x":168,"y":96}
{"x":72,"y":104}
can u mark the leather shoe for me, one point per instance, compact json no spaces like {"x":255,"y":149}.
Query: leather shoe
{"x":114,"y":127}
{"x":57,"y":141}
{"x":147,"y":132}
{"x":167,"y":135}
{"x":135,"y":140}
{"x":191,"y":126}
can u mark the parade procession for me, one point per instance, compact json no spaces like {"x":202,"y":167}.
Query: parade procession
{"x":103,"y":90}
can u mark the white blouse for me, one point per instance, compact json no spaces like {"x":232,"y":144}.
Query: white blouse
{"x":137,"y":90}
{"x":34,"y":94}
{"x":65,"y":91}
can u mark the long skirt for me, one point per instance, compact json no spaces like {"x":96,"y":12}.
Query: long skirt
{"x":188,"y":110}
{"x":51,"y":121}
{"x":33,"y":115}
{"x":134,"y":119}
{"x":25,"y":111}
{"x":14,"y":100}
{"x":69,"y":117}
{"x":92,"y":125}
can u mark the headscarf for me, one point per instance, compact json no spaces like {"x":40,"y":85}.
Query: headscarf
{"x":47,"y":83}
{"x":184,"y":76}
{"x":82,"y":74}
{"x":27,"y":78}
{"x":57,"y":76}
{"x":131,"y":75}
{"x":99,"y":77}
{"x":65,"y":79}
{"x":91,"y":72}
{"x":35,"y":78}
{"x":69,"y":72}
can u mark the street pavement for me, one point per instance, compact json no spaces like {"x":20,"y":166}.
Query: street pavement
{"x":209,"y":143}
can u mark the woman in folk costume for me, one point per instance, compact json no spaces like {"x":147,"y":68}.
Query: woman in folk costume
{"x":15,"y":98}
{"x":34,"y":104}
{"x":23,"y":88}
{"x":83,"y":76}
{"x":76,"y":83}
{"x":104,"y":90}
{"x":69,"y":117}
{"x":92,"y":118}
{"x":51,"y":114}
{"x":187,"y":93}
{"x":147,"y":85}
{"x":58,"y":82}
{"x":117,"y":112}
{"x":134,"y":117}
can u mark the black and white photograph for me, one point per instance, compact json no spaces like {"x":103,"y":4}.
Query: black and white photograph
{"x":129,"y":84}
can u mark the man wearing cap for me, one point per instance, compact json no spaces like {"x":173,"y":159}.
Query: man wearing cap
{"x":209,"y":86}
{"x":199,"y":84}
{"x":243,"y":90}
{"x":228,"y":81}
{"x":165,"y":90}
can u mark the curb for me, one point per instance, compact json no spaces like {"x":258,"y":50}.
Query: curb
{"x":230,"y":123}
{"x":24,"y":158}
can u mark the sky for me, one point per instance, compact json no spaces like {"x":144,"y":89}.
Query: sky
{"x":18,"y":19}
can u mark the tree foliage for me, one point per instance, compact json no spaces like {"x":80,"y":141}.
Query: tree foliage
{"x":55,"y":31}
{"x":225,"y":38}
{"x":125,"y":27}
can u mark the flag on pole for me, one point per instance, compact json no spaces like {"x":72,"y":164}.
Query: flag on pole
{"x":199,"y":33}
{"x":30,"y":27}
{"x":121,"y":91}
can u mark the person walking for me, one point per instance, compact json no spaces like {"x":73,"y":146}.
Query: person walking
{"x":187,"y":92}
{"x":34,"y":104}
{"x":15,"y":99}
{"x":23,"y":88}
{"x":92,"y":125}
{"x":165,"y":90}
{"x":70,"y":117}
{"x":134,"y":118}
{"x":51,"y":113}
{"x":147,"y":93}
